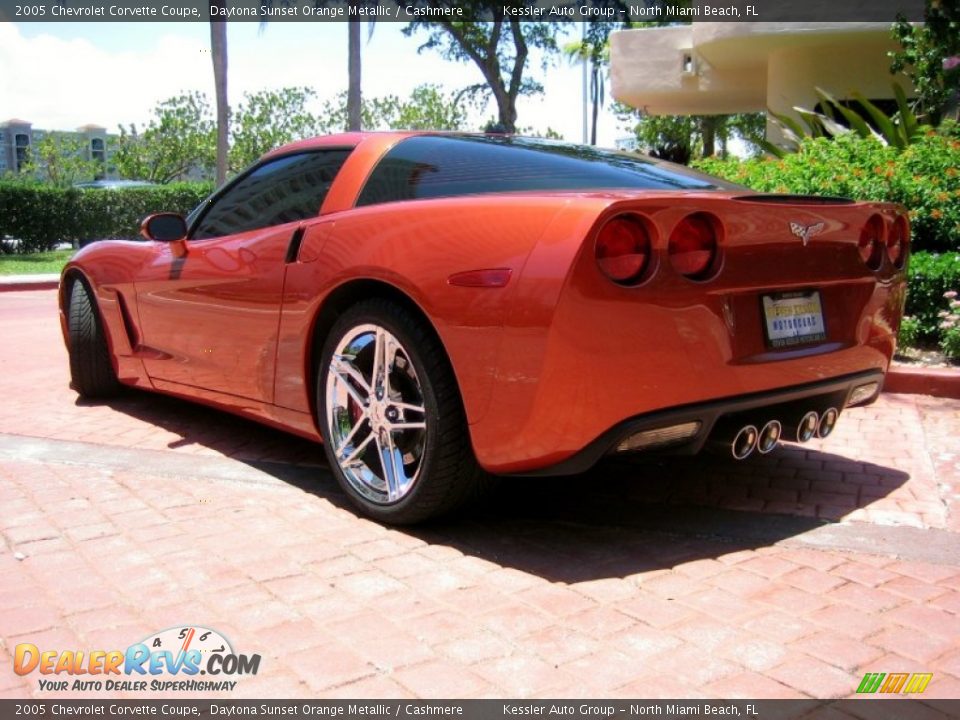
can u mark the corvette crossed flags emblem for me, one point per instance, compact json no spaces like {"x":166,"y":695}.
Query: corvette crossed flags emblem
{"x":805,"y":232}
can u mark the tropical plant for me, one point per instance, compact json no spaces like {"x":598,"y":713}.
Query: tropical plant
{"x":840,"y":118}
{"x":929,"y":55}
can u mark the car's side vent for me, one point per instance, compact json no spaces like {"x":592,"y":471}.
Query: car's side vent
{"x":293,"y":249}
{"x":128,"y":325}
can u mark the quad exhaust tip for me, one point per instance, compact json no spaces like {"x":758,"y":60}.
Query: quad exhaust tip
{"x":744,"y":442}
{"x":809,"y":426}
{"x":827,"y":422}
{"x":769,"y":437}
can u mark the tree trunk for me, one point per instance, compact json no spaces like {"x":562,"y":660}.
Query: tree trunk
{"x":708,"y":129}
{"x":354,"y":99}
{"x":506,"y":110}
{"x":508,"y":115}
{"x":595,"y":92}
{"x":218,"y":50}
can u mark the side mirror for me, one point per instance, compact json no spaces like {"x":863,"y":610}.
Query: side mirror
{"x":164,"y":227}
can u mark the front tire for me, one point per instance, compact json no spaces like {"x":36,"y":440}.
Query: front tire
{"x":91,"y":371}
{"x":392,"y":420}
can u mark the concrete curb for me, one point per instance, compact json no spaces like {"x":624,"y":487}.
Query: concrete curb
{"x":939,"y":382}
{"x":44,"y":285}
{"x":12,"y":283}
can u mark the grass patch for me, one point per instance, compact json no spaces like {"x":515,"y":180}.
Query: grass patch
{"x":34,"y":263}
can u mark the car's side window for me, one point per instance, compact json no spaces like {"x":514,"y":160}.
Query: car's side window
{"x":283,"y":190}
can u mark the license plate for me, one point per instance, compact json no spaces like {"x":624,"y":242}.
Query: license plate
{"x":793,"y":318}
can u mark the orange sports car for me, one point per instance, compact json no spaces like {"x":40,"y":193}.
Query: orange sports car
{"x":437,"y":307}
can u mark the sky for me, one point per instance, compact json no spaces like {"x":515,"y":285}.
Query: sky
{"x":60,"y":76}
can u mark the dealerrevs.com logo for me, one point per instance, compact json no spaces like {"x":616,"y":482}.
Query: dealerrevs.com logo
{"x":170,"y":660}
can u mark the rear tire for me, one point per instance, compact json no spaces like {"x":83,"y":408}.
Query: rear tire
{"x":91,"y":371}
{"x":393,"y":425}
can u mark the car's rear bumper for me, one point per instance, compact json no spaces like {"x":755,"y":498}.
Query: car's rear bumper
{"x":710,"y":419}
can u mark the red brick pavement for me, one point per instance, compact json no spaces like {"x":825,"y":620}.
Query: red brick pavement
{"x":896,"y":462}
{"x":522,"y":599}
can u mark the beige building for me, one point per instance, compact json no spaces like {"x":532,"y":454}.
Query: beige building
{"x":17,"y":136}
{"x":730,"y":67}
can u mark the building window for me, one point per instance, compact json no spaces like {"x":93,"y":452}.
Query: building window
{"x":21,"y":143}
{"x":98,"y":155}
{"x":97,"y":151}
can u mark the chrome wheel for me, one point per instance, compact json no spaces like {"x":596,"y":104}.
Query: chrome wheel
{"x":376,"y":414}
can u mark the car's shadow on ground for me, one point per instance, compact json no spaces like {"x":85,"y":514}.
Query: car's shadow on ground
{"x":620,"y":518}
{"x":623,"y":518}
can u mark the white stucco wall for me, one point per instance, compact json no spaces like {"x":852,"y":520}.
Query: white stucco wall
{"x":749,"y":67}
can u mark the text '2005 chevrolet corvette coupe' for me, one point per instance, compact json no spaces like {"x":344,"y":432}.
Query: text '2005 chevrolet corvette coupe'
{"x":438,"y":307}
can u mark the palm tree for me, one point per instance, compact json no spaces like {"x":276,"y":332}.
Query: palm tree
{"x":218,"y":50}
{"x":354,"y":97}
{"x":599,"y":57}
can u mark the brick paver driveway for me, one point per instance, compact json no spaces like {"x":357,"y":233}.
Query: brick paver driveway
{"x":786,"y":576}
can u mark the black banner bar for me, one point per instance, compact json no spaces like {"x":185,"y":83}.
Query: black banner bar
{"x":614,"y":11}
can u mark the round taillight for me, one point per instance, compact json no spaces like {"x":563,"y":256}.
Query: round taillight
{"x":898,"y":242}
{"x":693,"y":246}
{"x":871,"y":242}
{"x":623,"y":249}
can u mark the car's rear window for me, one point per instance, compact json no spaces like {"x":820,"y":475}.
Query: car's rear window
{"x":430,"y":166}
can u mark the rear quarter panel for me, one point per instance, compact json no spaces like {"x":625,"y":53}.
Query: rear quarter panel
{"x":415,"y":247}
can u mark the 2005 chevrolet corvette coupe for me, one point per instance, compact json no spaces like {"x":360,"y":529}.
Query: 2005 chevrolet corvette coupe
{"x":436,"y":308}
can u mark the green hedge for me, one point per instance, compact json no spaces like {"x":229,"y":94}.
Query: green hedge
{"x":930,"y":276}
{"x":41,"y":216}
{"x":925,"y":178}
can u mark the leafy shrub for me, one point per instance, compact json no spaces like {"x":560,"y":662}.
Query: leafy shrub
{"x":929,"y":277}
{"x":40,"y":216}
{"x":950,"y":325}
{"x":924,"y":177}
{"x":950,"y":344}
{"x":909,"y":335}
